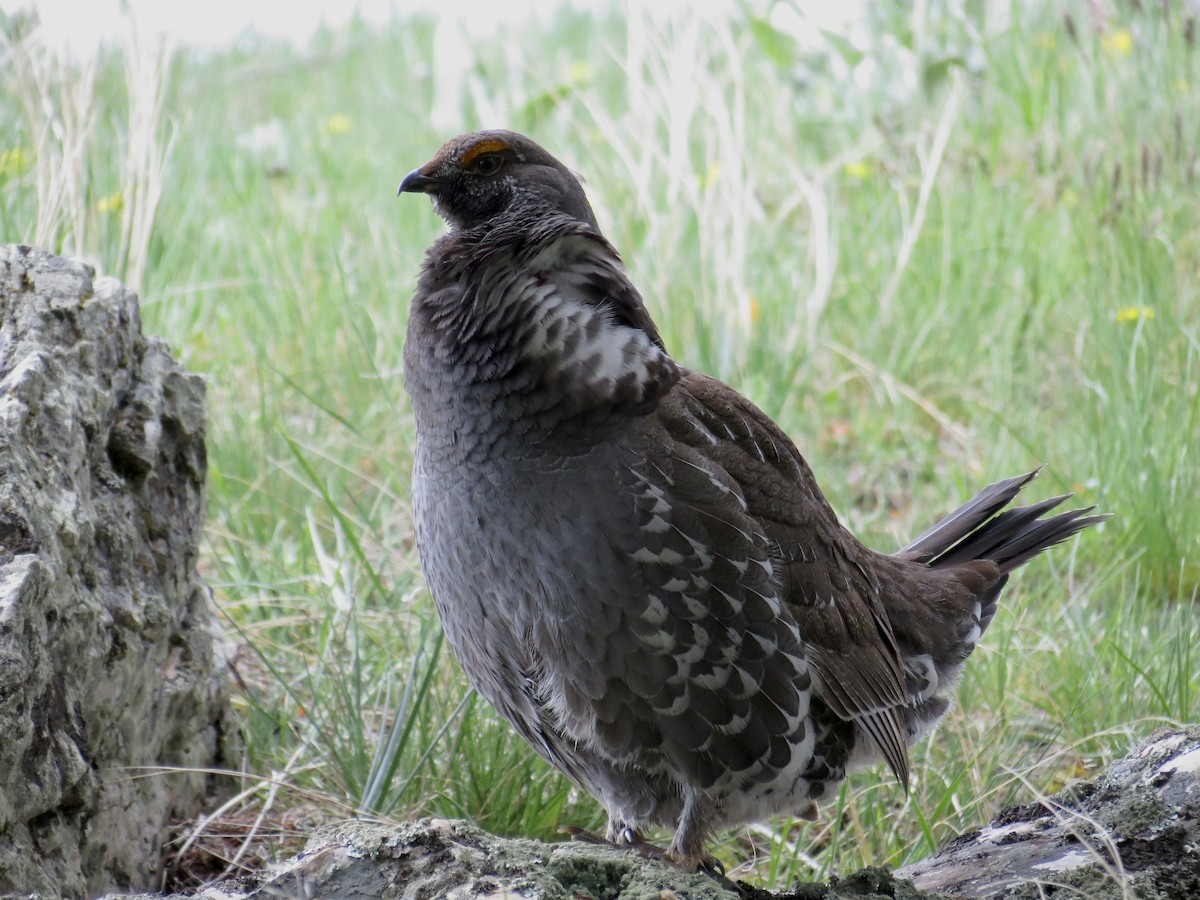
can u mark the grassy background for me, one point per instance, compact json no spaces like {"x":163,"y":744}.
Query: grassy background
{"x":963,"y":246}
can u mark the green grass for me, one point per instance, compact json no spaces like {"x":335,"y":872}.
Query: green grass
{"x":981,"y":257}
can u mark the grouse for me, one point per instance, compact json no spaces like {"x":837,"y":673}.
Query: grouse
{"x":633,"y":563}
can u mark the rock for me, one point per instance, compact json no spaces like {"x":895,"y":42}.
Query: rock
{"x":1132,"y":832}
{"x":452,"y":860}
{"x":110,"y":659}
{"x":456,"y":861}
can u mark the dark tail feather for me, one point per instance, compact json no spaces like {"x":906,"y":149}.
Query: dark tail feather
{"x":1010,"y":539}
{"x":966,"y":519}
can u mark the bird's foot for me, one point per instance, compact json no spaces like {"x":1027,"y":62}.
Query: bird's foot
{"x":706,"y":863}
{"x":630,"y":839}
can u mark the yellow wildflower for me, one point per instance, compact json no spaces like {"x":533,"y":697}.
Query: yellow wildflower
{"x":579,"y":72}
{"x":14,"y":161}
{"x":337,"y":124}
{"x":1182,"y":86}
{"x":1045,"y":40}
{"x":1128,"y":314}
{"x":755,"y":310}
{"x":113,"y":203}
{"x":860,"y":170}
{"x":712,"y":175}
{"x":1118,"y":42}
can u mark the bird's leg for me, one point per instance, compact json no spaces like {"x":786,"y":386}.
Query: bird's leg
{"x":687,"y":848}
{"x":622,"y":836}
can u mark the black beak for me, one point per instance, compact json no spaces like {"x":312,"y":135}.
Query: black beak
{"x":416,"y":182}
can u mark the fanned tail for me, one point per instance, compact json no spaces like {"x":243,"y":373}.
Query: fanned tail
{"x":972,"y":550}
{"x":1009,"y":539}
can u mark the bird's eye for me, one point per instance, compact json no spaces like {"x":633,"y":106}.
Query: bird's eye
{"x":489,"y":164}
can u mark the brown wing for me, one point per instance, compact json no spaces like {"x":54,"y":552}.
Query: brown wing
{"x":827,"y":583}
{"x":705,"y":667}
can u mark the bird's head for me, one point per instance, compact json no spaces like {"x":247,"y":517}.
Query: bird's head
{"x":480,"y":176}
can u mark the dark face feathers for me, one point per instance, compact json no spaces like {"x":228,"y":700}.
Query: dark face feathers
{"x":480,"y":176}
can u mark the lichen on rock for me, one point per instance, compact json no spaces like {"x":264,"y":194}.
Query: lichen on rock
{"x":1083,"y":842}
{"x":1134,"y":831}
{"x":110,"y":656}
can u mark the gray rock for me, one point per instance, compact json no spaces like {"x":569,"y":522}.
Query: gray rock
{"x":438,"y":859}
{"x":1132,"y":832}
{"x":110,"y":656}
